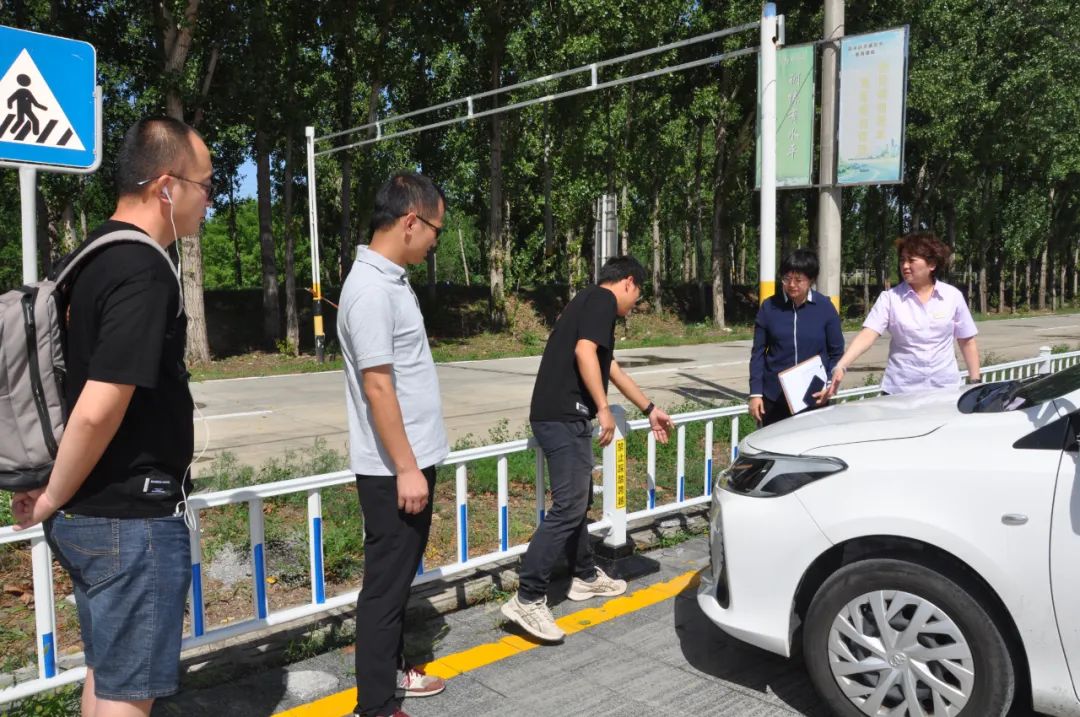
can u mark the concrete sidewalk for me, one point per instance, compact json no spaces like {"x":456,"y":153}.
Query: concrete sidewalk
{"x":665,"y":658}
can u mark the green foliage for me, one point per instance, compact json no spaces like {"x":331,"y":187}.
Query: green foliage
{"x":992,"y":158}
{"x":63,"y":702}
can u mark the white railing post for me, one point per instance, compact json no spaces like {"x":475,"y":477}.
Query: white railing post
{"x":680,"y":463}
{"x":44,"y":606}
{"x":614,"y":458}
{"x":198,"y":607}
{"x":1044,"y":360}
{"x":708,"y":457}
{"x":651,"y":468}
{"x":734,"y":439}
{"x":504,"y":500}
{"x":257,"y":532}
{"x":462,"y":513}
{"x":315,"y":547}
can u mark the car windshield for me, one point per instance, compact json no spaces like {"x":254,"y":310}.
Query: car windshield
{"x":1012,"y":395}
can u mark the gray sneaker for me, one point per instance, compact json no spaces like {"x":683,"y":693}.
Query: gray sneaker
{"x":603,"y":586}
{"x":534,"y":618}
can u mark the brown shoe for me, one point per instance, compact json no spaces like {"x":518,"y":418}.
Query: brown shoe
{"x":417,"y":683}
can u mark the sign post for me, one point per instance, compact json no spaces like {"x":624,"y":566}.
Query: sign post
{"x":50,"y":117}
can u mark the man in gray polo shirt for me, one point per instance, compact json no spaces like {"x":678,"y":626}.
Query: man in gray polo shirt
{"x":396,"y":432}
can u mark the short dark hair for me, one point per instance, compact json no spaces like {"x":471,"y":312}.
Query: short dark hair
{"x":405,"y":192}
{"x":152,"y":147}
{"x":618,"y":268}
{"x":801,"y":261}
{"x":927,"y":245}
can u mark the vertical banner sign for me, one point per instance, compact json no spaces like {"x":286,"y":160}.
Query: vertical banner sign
{"x":620,"y":474}
{"x":794,"y":117}
{"x":873,"y":94}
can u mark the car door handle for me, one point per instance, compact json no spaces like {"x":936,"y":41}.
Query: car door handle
{"x":1014,"y":519}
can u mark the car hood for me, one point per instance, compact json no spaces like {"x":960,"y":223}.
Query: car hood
{"x":873,"y":419}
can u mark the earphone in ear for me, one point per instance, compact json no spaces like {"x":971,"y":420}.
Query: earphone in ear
{"x":168,"y":197}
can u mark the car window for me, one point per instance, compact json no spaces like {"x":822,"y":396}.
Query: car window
{"x":1011,"y":395}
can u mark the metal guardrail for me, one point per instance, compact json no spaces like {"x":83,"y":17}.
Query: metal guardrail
{"x":613,"y":525}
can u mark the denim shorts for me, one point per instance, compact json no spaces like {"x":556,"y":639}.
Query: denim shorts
{"x":131,"y":578}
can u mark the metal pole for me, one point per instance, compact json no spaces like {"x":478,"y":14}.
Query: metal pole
{"x":28,"y":193}
{"x":767,"y":254}
{"x":829,"y":198}
{"x":313,"y":231}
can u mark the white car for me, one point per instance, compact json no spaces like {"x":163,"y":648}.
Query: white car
{"x":922,"y":550}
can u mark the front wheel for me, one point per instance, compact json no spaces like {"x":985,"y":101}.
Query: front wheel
{"x":892,"y":637}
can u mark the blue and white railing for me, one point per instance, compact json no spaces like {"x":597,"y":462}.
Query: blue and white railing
{"x":613,"y":524}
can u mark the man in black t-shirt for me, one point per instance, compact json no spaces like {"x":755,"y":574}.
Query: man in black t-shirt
{"x":113,"y":509}
{"x":571,"y":389}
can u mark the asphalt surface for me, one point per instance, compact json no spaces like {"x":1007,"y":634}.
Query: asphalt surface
{"x":261,"y":418}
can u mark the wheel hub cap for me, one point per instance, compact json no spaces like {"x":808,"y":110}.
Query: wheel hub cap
{"x":895,"y":653}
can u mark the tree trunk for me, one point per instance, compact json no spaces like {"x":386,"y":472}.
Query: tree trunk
{"x":624,"y":221}
{"x":292,"y":319}
{"x":1042,"y":277}
{"x":1028,"y":294}
{"x":719,"y":222}
{"x":177,"y":38}
{"x":68,"y":237}
{"x":464,"y":262}
{"x":496,"y":252}
{"x":657,"y":255}
{"x":238,"y":266}
{"x":688,"y":247}
{"x":345,"y":228}
{"x":549,"y":217}
{"x":267,"y":250}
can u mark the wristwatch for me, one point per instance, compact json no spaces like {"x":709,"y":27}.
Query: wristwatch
{"x":648,"y":409}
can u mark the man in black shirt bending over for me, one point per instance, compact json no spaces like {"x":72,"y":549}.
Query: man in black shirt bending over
{"x":571,"y":389}
{"x":113,"y":509}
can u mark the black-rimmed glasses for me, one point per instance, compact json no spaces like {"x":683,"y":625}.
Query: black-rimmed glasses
{"x":438,"y":230}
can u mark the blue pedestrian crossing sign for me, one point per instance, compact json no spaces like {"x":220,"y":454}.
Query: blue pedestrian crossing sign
{"x":48,"y":107}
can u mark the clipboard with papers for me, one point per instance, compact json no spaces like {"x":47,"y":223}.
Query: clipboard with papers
{"x":800,"y":382}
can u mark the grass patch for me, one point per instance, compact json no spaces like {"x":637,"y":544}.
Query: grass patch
{"x":63,"y":702}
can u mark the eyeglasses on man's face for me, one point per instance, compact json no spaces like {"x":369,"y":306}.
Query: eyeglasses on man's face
{"x":438,"y":229}
{"x":208,"y":187}
{"x":794,"y":280}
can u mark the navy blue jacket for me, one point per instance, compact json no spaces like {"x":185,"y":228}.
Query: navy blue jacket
{"x":784,"y":336}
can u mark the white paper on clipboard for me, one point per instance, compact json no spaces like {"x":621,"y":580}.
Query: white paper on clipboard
{"x":801,"y":381}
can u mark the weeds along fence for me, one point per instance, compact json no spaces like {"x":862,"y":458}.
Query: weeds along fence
{"x":640,"y":479}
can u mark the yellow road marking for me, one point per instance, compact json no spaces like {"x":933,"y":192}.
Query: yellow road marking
{"x":474,"y":658}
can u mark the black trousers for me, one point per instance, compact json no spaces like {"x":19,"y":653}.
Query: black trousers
{"x":567,"y":445}
{"x":394,"y":543}
{"x":775,"y":411}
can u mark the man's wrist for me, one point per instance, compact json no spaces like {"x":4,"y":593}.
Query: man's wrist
{"x":649,"y":409}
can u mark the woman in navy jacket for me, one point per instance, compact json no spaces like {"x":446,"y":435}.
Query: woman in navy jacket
{"x":791,"y":327}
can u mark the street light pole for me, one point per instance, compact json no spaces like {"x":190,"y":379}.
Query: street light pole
{"x":313,"y":231}
{"x":829,"y":195}
{"x":767,"y":253}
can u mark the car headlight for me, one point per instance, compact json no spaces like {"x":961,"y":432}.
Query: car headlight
{"x":768,"y":475}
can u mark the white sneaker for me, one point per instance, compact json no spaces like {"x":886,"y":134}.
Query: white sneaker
{"x":534,"y":618}
{"x":602,"y":586}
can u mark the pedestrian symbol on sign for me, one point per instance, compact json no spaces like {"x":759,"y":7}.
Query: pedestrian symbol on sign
{"x":24,"y":103}
{"x":33,"y":116}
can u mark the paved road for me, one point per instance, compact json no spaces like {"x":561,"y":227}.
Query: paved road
{"x":659,"y":656}
{"x":261,"y":418}
{"x":663,"y":659}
